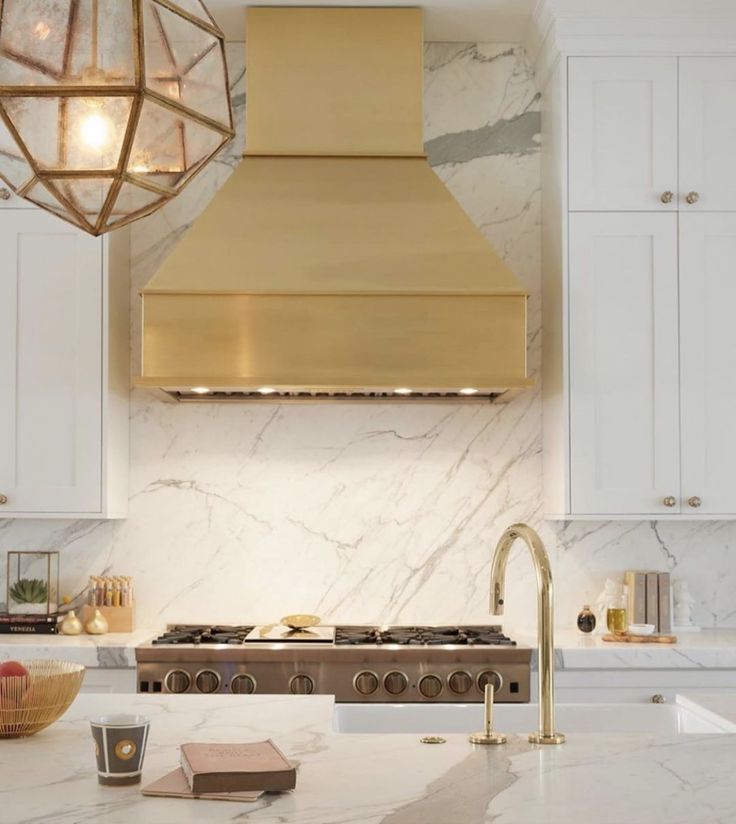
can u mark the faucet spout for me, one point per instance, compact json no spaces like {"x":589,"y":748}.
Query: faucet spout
{"x":545,"y":621}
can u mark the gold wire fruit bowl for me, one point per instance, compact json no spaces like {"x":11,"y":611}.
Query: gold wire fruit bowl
{"x":31,"y":703}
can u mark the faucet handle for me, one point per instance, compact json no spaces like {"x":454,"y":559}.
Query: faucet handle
{"x":488,"y":736}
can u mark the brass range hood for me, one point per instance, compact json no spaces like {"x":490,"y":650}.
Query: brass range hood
{"x":334,"y":264}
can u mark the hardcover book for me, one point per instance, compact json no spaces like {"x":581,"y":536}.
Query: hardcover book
{"x":175,"y":785}
{"x":218,"y":768}
{"x":653,"y":600}
{"x":665,"y":600}
{"x":636,"y":588}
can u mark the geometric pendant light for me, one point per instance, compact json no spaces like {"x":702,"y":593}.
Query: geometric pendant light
{"x":108,"y":108}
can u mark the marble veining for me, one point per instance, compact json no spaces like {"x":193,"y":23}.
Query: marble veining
{"x":372,"y":779}
{"x":369,"y":513}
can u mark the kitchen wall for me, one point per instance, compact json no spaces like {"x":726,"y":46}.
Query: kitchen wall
{"x":370,"y":513}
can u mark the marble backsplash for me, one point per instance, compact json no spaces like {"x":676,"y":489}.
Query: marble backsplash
{"x":380,"y":512}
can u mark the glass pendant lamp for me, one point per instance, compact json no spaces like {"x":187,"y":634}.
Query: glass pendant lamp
{"x":108,"y":108}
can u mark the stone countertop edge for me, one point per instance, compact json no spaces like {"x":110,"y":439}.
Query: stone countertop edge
{"x":114,"y":650}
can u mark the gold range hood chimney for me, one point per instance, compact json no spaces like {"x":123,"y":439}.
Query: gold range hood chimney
{"x":334,"y":264}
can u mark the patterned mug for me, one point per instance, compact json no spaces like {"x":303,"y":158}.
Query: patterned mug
{"x":120,"y":744}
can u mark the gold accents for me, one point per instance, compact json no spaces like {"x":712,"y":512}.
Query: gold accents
{"x":488,"y":736}
{"x":300,"y":621}
{"x":340,"y":81}
{"x":334,"y":262}
{"x":125,"y":749}
{"x":692,"y":197}
{"x":432,"y":739}
{"x":71,"y":625}
{"x":97,"y":624}
{"x":5,"y":194}
{"x":667,"y":197}
{"x":131,"y":118}
{"x":545,"y":620}
{"x":670,"y":501}
{"x":694,"y":502}
{"x":3,"y":499}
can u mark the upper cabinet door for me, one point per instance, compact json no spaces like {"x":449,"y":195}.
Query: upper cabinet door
{"x":707,"y":133}
{"x":708,"y":363}
{"x":51,"y":365}
{"x":624,"y":416}
{"x":622,"y":133}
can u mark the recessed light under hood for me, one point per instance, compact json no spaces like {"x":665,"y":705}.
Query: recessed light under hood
{"x":334,"y":264}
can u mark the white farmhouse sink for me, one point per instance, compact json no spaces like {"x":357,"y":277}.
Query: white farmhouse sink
{"x":426,"y":719}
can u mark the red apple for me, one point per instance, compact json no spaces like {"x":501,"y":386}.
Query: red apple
{"x":13,"y":691}
{"x":13,"y":669}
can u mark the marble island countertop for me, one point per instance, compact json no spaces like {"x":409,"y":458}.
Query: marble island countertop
{"x":392,"y":779}
{"x":111,"y":651}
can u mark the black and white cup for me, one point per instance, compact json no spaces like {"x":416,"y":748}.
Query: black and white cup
{"x":120,"y":744}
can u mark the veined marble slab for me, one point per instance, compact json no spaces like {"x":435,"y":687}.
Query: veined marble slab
{"x":111,"y":651}
{"x":708,"y":649}
{"x":391,"y":779}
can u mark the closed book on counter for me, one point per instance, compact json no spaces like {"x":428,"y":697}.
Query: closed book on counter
{"x":216,"y":768}
{"x":636,"y":588}
{"x":653,"y":600}
{"x":665,"y":602}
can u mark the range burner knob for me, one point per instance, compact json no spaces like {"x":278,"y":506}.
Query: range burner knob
{"x":395,"y":682}
{"x":366,"y":682}
{"x":460,"y":682}
{"x":208,"y":681}
{"x":178,"y":681}
{"x":489,"y":677}
{"x":301,"y":685}
{"x":430,"y":686}
{"x":243,"y":685}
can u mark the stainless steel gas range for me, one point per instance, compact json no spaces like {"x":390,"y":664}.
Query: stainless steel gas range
{"x":353,"y":663}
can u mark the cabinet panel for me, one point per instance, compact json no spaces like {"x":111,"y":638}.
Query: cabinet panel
{"x":51,"y":369}
{"x":708,"y":132}
{"x":622,"y":133}
{"x":708,"y":361}
{"x":624,"y":422}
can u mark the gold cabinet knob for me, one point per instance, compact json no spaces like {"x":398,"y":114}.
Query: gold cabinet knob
{"x":694,"y":501}
{"x":667,"y":197}
{"x":692,"y":197}
{"x":4,"y":193}
{"x":3,"y":499}
{"x":669,"y":500}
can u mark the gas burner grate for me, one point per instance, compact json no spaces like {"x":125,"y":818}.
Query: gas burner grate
{"x":197,"y":634}
{"x":423,"y":636}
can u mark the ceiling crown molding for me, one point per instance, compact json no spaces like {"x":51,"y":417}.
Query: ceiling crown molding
{"x":620,"y":27}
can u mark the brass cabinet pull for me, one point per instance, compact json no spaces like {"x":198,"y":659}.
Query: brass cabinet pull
{"x":4,"y":193}
{"x":694,"y":501}
{"x":669,"y":500}
{"x":667,"y":197}
{"x":692,"y":197}
{"x":3,"y":499}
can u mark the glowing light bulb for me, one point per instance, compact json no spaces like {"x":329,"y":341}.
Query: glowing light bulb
{"x":42,"y":30}
{"x":267,"y":390}
{"x":402,"y":390}
{"x":469,"y":390}
{"x":94,"y":131}
{"x":201,"y":390}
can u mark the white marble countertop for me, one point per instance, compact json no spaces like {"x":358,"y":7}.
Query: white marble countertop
{"x":114,"y":650}
{"x":707,"y":649}
{"x":393,"y":779}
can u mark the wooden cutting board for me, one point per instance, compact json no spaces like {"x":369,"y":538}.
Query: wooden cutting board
{"x":640,"y":639}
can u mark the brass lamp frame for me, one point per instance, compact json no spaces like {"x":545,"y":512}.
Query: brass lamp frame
{"x":139,"y":93}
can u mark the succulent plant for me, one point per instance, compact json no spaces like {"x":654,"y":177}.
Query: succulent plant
{"x":29,"y":591}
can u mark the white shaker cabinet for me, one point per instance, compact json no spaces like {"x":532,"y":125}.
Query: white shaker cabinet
{"x":64,"y":369}
{"x":707,"y":134}
{"x":708,"y":362}
{"x":624,"y":363}
{"x":639,"y":365}
{"x":623,"y":133}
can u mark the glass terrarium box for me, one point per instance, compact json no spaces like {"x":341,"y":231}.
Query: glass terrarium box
{"x":33,"y":583}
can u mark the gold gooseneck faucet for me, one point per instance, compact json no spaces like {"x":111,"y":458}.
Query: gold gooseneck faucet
{"x":545,"y":619}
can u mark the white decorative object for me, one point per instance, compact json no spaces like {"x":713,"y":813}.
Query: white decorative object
{"x":683,"y":608}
